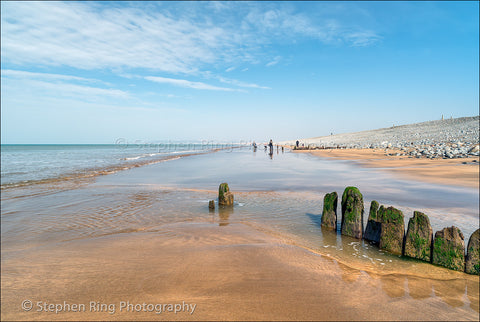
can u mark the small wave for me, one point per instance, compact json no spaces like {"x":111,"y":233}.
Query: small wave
{"x":133,"y":158}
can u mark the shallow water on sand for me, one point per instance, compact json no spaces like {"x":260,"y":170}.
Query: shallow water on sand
{"x":280,"y":196}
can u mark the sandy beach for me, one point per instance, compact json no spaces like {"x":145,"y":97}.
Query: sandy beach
{"x":139,"y":243}
{"x":231,"y":272}
{"x":457,"y":172}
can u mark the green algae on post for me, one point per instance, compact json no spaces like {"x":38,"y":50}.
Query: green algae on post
{"x":449,"y":249}
{"x":352,"y":213}
{"x":329,"y":215}
{"x":419,"y":237}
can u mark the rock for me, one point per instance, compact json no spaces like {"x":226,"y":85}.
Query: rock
{"x":392,"y":230}
{"x":475,"y":148}
{"x":211,"y":204}
{"x":329,"y":215}
{"x":225,"y":197}
{"x":448,"y":249}
{"x":352,"y":212}
{"x":372,"y":232}
{"x":472,"y":261}
{"x":418,"y":241}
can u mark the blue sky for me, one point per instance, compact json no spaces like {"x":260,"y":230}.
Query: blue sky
{"x":94,"y":72}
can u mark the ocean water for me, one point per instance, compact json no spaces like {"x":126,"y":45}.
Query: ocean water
{"x":27,"y":164}
{"x":141,"y":191}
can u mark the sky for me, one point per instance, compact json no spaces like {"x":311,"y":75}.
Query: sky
{"x":97,"y":72}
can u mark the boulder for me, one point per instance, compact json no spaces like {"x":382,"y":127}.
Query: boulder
{"x":392,"y":229}
{"x":372,"y":232}
{"x":225,"y":197}
{"x":472,"y":261}
{"x":448,"y":249}
{"x":329,"y":215}
{"x":211,"y":204}
{"x":418,"y":241}
{"x":352,"y":213}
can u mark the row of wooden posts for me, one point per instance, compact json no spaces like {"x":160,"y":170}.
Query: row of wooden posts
{"x":386,"y":228}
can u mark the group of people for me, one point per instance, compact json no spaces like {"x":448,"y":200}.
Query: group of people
{"x":269,"y":145}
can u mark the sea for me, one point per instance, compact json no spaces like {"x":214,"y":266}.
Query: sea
{"x":56,"y":194}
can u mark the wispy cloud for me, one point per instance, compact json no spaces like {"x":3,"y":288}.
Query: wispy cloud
{"x":46,"y":76}
{"x":59,"y":84}
{"x":188,"y":84}
{"x":275,"y":61}
{"x":240,"y":83}
{"x":94,"y":36}
{"x":230,"y":69}
{"x":285,"y":23}
{"x":91,"y":36}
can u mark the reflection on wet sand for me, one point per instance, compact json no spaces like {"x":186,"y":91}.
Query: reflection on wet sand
{"x":224,"y":213}
{"x":473,"y":294}
{"x":451,"y":291}
{"x":393,"y":285}
{"x":419,"y":288}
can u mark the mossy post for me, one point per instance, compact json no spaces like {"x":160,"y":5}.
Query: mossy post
{"x":372,"y":231}
{"x":225,"y":197}
{"x":329,"y":215}
{"x":392,"y":230}
{"x":211,"y":205}
{"x":472,"y":261}
{"x":449,"y":248}
{"x":352,"y":212}
{"x":418,"y":241}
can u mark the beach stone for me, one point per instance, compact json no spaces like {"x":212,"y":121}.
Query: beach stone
{"x":448,"y":249}
{"x":392,"y":229}
{"x":472,"y":261}
{"x":352,"y":212}
{"x":418,"y":241}
{"x":329,"y":215}
{"x":211,"y":204}
{"x":372,"y":232}
{"x":225,"y":197}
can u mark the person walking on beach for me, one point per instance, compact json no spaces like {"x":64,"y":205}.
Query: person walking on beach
{"x":270,"y":144}
{"x":297,"y":143}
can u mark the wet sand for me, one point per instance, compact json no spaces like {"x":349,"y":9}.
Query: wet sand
{"x":438,"y":171}
{"x":231,"y":272}
{"x":145,"y":235}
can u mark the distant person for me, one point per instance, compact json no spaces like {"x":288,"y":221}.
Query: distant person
{"x":282,"y":149}
{"x":254,"y":145}
{"x":270,"y":145}
{"x":297,"y":143}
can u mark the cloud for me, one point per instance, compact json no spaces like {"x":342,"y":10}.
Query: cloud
{"x":230,"y":69}
{"x":92,"y":36}
{"x":168,"y":38}
{"x":287,"y":25}
{"x":240,"y":83}
{"x":58,"y":84}
{"x":187,"y":84}
{"x":46,"y":76}
{"x":275,"y":61}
